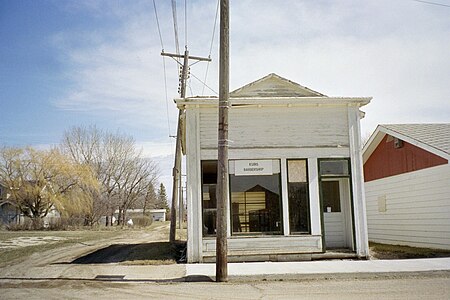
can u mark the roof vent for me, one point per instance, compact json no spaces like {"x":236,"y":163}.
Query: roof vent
{"x":398,"y":143}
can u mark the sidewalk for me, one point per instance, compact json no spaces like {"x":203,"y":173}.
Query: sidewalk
{"x":206,"y":272}
{"x":324,"y":267}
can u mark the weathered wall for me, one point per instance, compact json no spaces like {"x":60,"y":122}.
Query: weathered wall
{"x":386,"y":160}
{"x":265,"y":127}
{"x":417,"y":208}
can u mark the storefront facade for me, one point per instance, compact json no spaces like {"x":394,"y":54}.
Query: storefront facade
{"x":295,"y":175}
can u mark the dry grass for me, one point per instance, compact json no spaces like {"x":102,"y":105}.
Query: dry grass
{"x":385,"y":251}
{"x":67,"y":238}
{"x":156,"y":253}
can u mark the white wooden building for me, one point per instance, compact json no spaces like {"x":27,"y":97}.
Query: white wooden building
{"x":407,"y":183}
{"x":295,"y":185}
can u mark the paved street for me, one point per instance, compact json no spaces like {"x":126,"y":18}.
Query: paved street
{"x":428,"y":286}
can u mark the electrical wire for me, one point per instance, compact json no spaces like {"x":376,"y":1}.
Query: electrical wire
{"x":175,"y":25}
{"x":211,"y":45}
{"x":185,"y":25}
{"x":432,"y":3}
{"x":192,"y":74}
{"x":159,"y":29}
{"x":167,"y":97}
{"x":190,"y":87}
{"x":164,"y":68}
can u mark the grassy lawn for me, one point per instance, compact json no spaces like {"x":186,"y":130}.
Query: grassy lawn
{"x":385,"y":251}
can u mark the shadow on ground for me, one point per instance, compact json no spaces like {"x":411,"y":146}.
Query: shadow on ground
{"x":146,"y":253}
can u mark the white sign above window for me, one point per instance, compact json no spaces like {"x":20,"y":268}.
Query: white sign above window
{"x":253,"y":167}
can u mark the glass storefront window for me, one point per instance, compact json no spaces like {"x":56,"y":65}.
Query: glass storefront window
{"x":298,"y":196}
{"x":256,"y":203}
{"x":209,"y":202}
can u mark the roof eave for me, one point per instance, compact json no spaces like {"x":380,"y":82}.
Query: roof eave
{"x":277,"y":101}
{"x":381,"y":131}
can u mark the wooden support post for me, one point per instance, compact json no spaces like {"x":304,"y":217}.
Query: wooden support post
{"x":222,"y":165}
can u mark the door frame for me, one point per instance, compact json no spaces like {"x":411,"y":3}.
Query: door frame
{"x":351,"y":206}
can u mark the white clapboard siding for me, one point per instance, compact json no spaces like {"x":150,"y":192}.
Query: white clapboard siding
{"x":334,"y":230}
{"x":249,"y":127}
{"x":266,"y":245}
{"x":417,"y":208}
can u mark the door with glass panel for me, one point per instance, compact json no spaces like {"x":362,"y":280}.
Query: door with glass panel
{"x":336,"y":203}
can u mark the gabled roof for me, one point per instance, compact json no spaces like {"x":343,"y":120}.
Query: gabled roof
{"x":434,"y":138}
{"x":273,"y":85}
{"x":274,"y":90}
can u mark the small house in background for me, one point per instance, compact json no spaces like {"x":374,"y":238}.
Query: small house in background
{"x":155,"y":214}
{"x":158,"y":214}
{"x":8,"y":212}
{"x":295,"y":173}
{"x":407,"y":183}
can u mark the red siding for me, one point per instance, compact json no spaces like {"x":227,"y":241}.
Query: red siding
{"x":388,"y":161}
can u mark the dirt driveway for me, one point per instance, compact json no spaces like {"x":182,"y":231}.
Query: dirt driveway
{"x":86,"y":260}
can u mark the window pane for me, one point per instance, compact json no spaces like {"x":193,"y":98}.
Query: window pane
{"x":209,"y":203}
{"x":331,"y":196}
{"x":334,"y":168}
{"x":298,"y":197}
{"x":255,"y":204}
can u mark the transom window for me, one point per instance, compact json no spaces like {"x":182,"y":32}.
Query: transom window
{"x":334,"y":167}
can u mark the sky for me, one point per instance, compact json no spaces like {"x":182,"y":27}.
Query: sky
{"x":66,"y":63}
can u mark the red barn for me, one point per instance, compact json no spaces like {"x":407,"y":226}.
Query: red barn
{"x":407,"y":185}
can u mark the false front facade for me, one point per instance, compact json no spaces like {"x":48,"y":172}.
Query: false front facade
{"x":295,"y":173}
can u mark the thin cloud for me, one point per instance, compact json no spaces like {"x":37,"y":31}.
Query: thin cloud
{"x":393,"y":51}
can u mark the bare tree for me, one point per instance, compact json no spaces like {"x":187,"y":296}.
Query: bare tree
{"x":123,"y":174}
{"x":138,"y":174}
{"x":38,"y":181}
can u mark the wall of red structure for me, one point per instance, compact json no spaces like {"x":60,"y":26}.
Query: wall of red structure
{"x":387,"y":160}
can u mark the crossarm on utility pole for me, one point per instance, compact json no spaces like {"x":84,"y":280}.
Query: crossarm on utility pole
{"x":176,"y":194}
{"x":189,"y":57}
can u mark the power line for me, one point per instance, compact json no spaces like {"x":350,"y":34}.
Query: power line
{"x":164,"y":68}
{"x":432,"y":3}
{"x":167,"y":97}
{"x":211,"y":45}
{"x":175,"y":25}
{"x":159,"y":29}
{"x":185,"y":25}
{"x":192,"y":74}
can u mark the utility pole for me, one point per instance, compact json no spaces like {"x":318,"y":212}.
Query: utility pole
{"x":181,"y":207}
{"x":222,"y":165}
{"x":180,"y":204}
{"x":177,"y":165}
